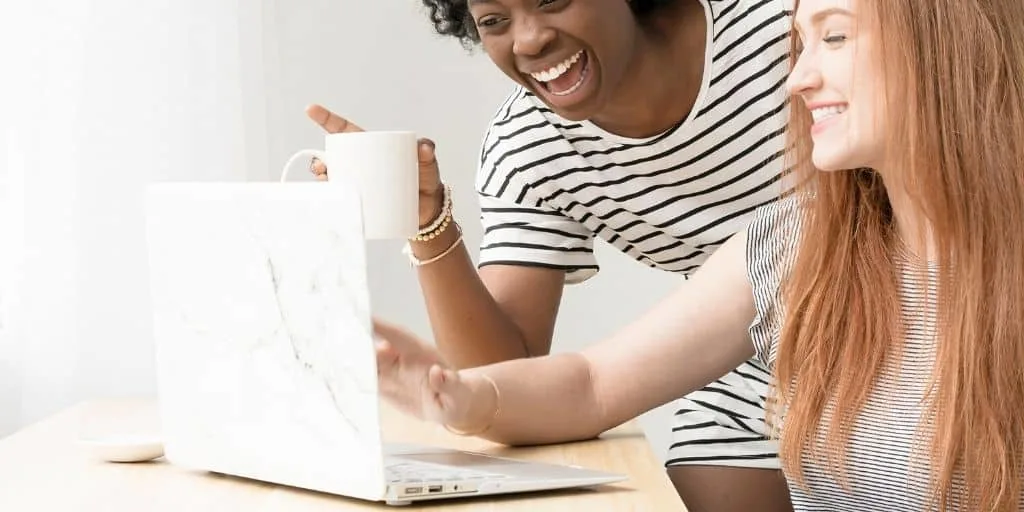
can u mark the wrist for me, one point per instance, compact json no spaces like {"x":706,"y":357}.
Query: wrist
{"x":484,"y":406}
{"x":427,"y":249}
{"x":431,"y":205}
{"x":440,"y":222}
{"x":439,"y":238}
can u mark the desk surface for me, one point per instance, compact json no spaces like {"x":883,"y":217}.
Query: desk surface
{"x":43,"y":468}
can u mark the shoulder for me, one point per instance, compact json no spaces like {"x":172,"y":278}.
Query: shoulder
{"x":772,"y":238}
{"x":772,"y":241}
{"x":733,"y":9}
{"x":520,"y":108}
{"x":749,"y":22}
{"x":773,"y":233}
{"x":521,"y":137}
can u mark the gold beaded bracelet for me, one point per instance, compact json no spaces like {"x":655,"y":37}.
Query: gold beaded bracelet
{"x":436,"y":232}
{"x":440,"y":223}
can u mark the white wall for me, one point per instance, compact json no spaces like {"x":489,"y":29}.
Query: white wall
{"x":101,"y":97}
{"x":251,"y":67}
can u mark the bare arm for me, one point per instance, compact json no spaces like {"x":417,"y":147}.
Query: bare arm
{"x":502,"y":313}
{"x":691,"y":338}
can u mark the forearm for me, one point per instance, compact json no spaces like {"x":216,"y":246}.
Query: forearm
{"x":689,"y":339}
{"x":542,"y":400}
{"x":469,"y":326}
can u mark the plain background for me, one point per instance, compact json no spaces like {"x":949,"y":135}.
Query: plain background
{"x":117,"y":93}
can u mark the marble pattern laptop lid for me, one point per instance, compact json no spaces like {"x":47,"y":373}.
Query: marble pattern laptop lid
{"x":262,"y":323}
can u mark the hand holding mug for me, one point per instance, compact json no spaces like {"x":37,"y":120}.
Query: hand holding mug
{"x":431,"y":190}
{"x":381,"y":166}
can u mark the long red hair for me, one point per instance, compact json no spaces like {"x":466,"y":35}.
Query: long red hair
{"x":954,"y":93}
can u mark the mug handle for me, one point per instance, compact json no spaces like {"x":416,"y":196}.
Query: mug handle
{"x":307,"y":153}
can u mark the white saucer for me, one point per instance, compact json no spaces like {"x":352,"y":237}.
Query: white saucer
{"x":124,"y":449}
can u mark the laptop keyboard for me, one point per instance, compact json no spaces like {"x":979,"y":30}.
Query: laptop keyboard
{"x":409,"y":471}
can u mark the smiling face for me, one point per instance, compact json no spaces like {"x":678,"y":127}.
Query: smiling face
{"x":572,"y":54}
{"x":836,"y":77}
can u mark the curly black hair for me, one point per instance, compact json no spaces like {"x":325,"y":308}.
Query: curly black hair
{"x":452,"y":18}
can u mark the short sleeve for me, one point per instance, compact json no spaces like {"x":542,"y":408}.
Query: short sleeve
{"x":527,"y":235}
{"x":771,"y":240}
{"x":520,"y":228}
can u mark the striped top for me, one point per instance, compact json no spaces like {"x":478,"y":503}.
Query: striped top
{"x":887,"y":458}
{"x":549,"y":186}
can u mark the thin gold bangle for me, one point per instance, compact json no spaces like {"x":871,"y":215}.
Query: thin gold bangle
{"x":497,"y":409}
{"x":419,"y":263}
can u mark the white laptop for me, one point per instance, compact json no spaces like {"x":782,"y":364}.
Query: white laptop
{"x":265,"y":358}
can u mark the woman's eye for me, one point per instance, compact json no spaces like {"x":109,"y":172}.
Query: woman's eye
{"x":488,"y":21}
{"x":835,"y":39}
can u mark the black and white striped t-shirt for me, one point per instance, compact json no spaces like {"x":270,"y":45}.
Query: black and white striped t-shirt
{"x":549,"y":186}
{"x":887,"y":458}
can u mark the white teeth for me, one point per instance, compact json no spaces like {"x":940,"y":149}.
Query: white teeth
{"x":575,"y":86}
{"x":557,"y":71}
{"x":822,"y":113}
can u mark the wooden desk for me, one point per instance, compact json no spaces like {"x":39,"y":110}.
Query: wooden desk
{"x":42,"y":468}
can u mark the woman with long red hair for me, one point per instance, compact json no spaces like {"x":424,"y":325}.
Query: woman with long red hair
{"x":887,"y":293}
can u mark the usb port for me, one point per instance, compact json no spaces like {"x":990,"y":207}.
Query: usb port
{"x":413,"y":490}
{"x":434,"y":488}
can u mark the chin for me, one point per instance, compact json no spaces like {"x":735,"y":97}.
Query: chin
{"x":828,"y":162}
{"x":842,"y":160}
{"x":584,"y":111}
{"x":838,"y":156}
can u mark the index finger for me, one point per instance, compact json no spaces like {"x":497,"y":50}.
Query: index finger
{"x":329,"y":121}
{"x":390,"y":332}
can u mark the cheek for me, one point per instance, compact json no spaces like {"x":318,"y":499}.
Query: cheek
{"x":502,"y":57}
{"x":876,"y":113}
{"x":867,"y":90}
{"x":613,"y":38}
{"x":869,"y":129}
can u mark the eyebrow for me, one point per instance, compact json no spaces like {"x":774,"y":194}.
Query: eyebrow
{"x":816,"y":18}
{"x":471,"y":3}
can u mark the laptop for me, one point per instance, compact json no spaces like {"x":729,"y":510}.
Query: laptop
{"x":265,"y":356}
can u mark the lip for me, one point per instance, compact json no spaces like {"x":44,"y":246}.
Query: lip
{"x":824,"y":124}
{"x":822,"y":104}
{"x":821,"y":126}
{"x":569,"y":101}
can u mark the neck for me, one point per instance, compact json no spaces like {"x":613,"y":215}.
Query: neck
{"x":911,"y":225}
{"x":661,"y":85}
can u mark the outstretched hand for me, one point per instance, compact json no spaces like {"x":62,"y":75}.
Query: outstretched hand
{"x":412,"y":375}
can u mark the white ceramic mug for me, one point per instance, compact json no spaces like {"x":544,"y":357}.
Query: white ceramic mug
{"x":383,"y":167}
